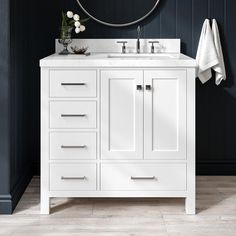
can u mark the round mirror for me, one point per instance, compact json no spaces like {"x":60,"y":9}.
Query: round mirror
{"x":118,"y":12}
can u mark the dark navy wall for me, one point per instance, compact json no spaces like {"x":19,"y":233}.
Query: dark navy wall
{"x":16,"y":149}
{"x":5,"y":201}
{"x":216,"y":106}
{"x":20,"y":38}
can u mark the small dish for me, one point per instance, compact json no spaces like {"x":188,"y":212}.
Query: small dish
{"x":77,"y":50}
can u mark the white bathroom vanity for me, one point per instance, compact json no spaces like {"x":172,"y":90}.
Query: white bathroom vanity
{"x":118,"y":125}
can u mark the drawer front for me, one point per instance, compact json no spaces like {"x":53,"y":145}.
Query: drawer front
{"x":80,"y":114}
{"x":73,"y":83}
{"x":73,"y":146}
{"x":72,"y":177}
{"x":143,"y":177}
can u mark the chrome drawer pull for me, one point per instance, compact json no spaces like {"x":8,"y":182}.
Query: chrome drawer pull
{"x":143,"y":178}
{"x":73,"y":178}
{"x":73,"y":115}
{"x":81,"y":146}
{"x":73,"y":84}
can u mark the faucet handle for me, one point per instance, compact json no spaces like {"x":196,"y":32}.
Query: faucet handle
{"x":123,"y":46}
{"x":152,"y":47}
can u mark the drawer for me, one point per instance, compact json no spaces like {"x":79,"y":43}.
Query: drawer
{"x":73,"y":146}
{"x":80,"y":114}
{"x":72,"y":177}
{"x":143,"y":177}
{"x":73,"y":83}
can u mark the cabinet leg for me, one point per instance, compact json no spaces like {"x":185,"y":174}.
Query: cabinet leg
{"x":45,"y":205}
{"x":190,"y":205}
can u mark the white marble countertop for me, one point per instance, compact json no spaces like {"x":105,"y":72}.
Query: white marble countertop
{"x":116,"y":60}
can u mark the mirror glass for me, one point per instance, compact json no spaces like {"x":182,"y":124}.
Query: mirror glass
{"x":118,"y":12}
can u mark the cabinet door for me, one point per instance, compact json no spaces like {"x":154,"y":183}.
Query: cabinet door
{"x":121,"y":114}
{"x":165,"y":114}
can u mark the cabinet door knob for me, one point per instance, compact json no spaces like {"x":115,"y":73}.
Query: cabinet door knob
{"x":148,"y":87}
{"x":139,"y":87}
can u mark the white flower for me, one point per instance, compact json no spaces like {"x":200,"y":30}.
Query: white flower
{"x":76,"y":17}
{"x":77,"y":30}
{"x":70,"y":14}
{"x":77,"y":24}
{"x":82,"y":28}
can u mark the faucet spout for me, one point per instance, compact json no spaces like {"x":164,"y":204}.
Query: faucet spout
{"x":138,"y":39}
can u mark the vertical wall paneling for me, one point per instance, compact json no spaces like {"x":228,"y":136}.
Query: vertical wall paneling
{"x":200,"y":11}
{"x":199,"y":14}
{"x":15,"y":118}
{"x":5,"y":201}
{"x":20,"y":107}
{"x":168,"y":19}
{"x":152,"y":24}
{"x":183,"y":22}
{"x":230,"y":90}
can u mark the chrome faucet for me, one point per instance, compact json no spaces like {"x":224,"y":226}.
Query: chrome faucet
{"x":138,"y":39}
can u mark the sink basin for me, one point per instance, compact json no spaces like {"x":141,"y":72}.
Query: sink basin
{"x":157,"y":56}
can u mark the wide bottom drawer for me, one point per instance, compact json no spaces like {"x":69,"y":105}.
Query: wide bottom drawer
{"x":148,"y":177}
{"x":72,"y":177}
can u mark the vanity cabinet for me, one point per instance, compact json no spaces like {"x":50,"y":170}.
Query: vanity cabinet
{"x":143,"y":114}
{"x":122,"y":114}
{"x":165,"y":100}
{"x":117,"y":131}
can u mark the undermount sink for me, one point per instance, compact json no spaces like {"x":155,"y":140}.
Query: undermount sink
{"x":144,"y":56}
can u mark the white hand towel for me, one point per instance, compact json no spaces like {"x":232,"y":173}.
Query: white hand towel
{"x":220,"y":67}
{"x":206,"y":54}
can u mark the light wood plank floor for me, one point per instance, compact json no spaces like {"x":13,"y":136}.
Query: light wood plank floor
{"x":216,"y":207}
